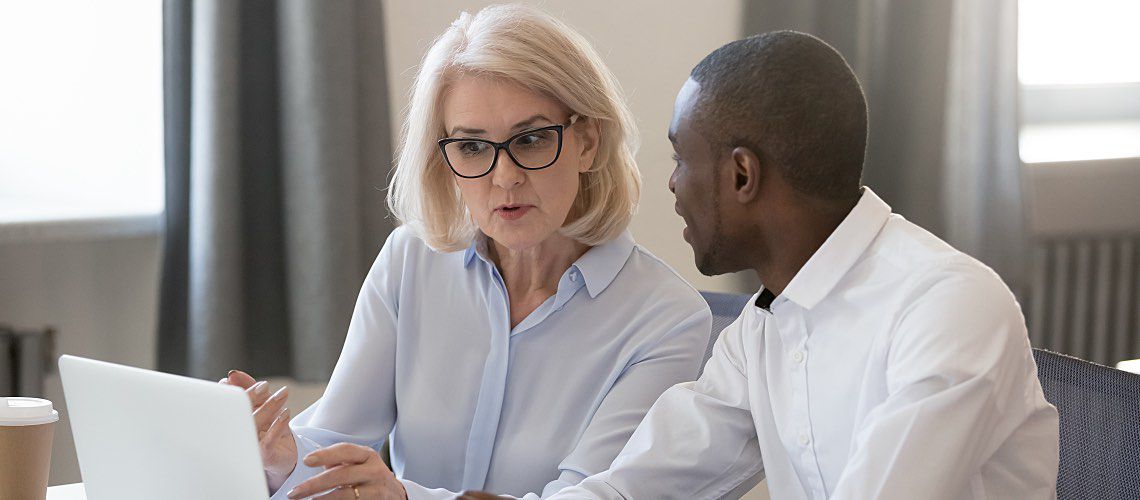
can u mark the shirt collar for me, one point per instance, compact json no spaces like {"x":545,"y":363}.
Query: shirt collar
{"x":838,"y":254}
{"x":477,"y":248}
{"x":601,"y":264}
{"x":598,"y":266}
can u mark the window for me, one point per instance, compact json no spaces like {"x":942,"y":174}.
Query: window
{"x":80,"y":110}
{"x":1080,"y":78}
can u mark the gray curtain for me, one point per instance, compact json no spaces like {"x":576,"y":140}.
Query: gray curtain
{"x":277,"y":149}
{"x":941,"y":85}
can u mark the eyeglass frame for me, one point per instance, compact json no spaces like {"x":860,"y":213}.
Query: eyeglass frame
{"x":504,"y":146}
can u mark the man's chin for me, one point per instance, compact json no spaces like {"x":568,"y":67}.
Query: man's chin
{"x":712,"y":261}
{"x":705,"y":264}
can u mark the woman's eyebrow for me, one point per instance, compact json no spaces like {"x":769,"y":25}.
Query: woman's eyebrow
{"x":530,"y":121}
{"x":465,"y":130}
{"x":518,"y":126}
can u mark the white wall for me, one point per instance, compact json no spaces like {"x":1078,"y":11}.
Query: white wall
{"x":100,"y":295}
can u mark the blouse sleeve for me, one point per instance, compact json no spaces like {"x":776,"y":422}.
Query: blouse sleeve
{"x":359,"y":403}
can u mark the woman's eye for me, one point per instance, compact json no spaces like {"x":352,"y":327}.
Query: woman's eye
{"x":535,"y":140}
{"x":472,"y":147}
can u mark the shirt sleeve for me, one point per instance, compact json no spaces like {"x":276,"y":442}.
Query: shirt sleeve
{"x":960,"y":380}
{"x":359,"y":403}
{"x":697,"y":441}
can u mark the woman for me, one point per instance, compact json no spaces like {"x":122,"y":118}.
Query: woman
{"x":510,"y":335}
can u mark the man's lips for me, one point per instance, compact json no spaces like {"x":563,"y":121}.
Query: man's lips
{"x":677,"y":208}
{"x":685,"y":230}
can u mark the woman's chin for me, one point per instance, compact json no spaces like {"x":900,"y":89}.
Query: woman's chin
{"x":519,"y":238}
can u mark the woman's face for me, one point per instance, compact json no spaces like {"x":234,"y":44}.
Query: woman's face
{"x":517,"y":208}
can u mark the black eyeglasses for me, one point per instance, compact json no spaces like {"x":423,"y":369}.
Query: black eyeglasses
{"x":531,"y":150}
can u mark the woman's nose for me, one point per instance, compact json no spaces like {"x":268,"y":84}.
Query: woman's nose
{"x":504,"y":173}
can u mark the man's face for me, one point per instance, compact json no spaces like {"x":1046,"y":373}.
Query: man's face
{"x":695,"y":183}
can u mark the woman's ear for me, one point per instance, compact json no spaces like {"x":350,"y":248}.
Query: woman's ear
{"x":589,"y":133}
{"x":745,"y":174}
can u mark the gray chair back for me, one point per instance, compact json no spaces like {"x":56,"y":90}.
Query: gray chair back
{"x":725,"y":308}
{"x":1099,"y":409}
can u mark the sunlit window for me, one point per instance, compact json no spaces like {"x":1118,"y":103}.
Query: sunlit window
{"x":1066,"y":42}
{"x":1079,"y":67}
{"x":80,"y":109}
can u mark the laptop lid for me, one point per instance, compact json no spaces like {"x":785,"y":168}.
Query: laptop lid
{"x":142,"y":434}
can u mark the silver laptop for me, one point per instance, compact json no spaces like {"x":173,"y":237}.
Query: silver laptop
{"x":142,"y":434}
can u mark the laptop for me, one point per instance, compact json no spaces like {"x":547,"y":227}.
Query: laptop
{"x":142,"y":434}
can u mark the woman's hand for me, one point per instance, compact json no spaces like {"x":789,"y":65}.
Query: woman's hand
{"x":271,"y":417}
{"x":351,"y":472}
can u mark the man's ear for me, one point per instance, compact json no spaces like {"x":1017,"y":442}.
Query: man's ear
{"x":746,"y":170}
{"x":589,"y":135}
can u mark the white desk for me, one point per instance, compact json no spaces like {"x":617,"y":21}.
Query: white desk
{"x":67,"y":492}
{"x":1132,"y":365}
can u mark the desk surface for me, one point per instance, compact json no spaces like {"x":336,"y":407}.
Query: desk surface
{"x":67,"y":492}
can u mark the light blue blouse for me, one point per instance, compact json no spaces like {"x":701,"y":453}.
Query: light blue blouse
{"x":431,"y":363}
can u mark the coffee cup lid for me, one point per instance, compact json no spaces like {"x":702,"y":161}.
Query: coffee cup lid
{"x":26,"y":411}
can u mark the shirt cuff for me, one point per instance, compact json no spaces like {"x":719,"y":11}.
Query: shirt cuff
{"x":417,"y":492}
{"x":300,"y":473}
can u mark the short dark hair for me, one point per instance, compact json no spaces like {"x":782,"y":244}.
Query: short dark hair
{"x":794,"y":101}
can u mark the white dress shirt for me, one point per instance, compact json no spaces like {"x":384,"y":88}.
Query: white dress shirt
{"x":431,"y":360}
{"x":891,"y":367}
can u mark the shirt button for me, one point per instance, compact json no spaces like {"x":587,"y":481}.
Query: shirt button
{"x":804,"y":439}
{"x":798,"y":356}
{"x":573,"y":276}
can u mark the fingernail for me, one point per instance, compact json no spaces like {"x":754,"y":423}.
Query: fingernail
{"x":309,"y":460}
{"x":280,"y":393}
{"x":231,"y":372}
{"x":262,"y":387}
{"x":291,"y":492}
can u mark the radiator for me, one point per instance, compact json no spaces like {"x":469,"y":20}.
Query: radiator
{"x":1084,"y":297}
{"x":25,"y":357}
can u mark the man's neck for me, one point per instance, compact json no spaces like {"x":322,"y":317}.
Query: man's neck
{"x":791,"y":242}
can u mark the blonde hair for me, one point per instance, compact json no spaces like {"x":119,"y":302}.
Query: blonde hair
{"x":527,"y":46}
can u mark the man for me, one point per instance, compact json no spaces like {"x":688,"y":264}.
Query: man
{"x":876,"y":362}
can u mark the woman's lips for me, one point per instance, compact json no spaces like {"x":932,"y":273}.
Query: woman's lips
{"x":512,"y":212}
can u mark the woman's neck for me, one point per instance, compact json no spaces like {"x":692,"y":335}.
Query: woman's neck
{"x":531,"y":275}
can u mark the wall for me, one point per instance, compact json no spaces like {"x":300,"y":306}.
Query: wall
{"x":100,"y":294}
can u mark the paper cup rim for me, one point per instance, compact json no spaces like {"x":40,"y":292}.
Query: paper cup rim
{"x":46,"y":413}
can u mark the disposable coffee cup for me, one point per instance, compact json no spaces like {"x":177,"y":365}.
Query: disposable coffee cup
{"x":26,"y":428}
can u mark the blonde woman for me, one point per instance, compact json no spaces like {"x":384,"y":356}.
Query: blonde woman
{"x":511,"y":334}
